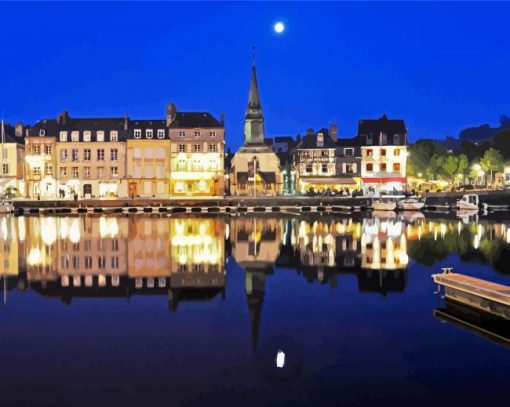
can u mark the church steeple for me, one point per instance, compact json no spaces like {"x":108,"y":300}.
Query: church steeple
{"x":254,"y":119}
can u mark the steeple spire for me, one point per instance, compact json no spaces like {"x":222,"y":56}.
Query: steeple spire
{"x":254,"y":119}
{"x":254,"y":99}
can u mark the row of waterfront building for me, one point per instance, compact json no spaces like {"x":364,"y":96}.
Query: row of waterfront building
{"x":184,"y":155}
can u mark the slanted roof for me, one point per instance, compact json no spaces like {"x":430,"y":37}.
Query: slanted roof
{"x":310,"y":141}
{"x":10,"y":135}
{"x":382,"y":125}
{"x":191,"y":120}
{"x":284,"y":139}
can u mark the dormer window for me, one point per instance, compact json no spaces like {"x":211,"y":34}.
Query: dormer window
{"x":114,"y":135}
{"x":148,"y":133}
{"x":100,"y":135}
{"x":42,"y":132}
{"x":87,"y":135}
{"x":63,"y":136}
{"x":369,"y":139}
{"x":197,"y":133}
{"x":348,"y":152}
{"x":396,"y":139}
{"x":320,"y":140}
{"x":138,"y":133}
{"x":75,"y":136}
{"x":161,"y":133}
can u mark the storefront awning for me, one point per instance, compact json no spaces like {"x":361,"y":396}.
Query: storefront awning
{"x":330,"y":181}
{"x":383,"y":180}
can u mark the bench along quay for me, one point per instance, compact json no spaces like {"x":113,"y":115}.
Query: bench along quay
{"x":474,"y":292}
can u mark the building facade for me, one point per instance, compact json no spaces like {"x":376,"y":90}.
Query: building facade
{"x":12,"y":158}
{"x":197,"y":153}
{"x":323,"y":163}
{"x":383,"y":155}
{"x":148,"y":159}
{"x":255,"y":168}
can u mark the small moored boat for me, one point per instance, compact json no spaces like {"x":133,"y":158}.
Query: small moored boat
{"x":6,"y":207}
{"x":469,"y":201}
{"x":410,"y":204}
{"x":384,"y":205}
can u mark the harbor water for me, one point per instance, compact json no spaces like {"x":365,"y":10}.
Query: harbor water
{"x":249,"y":310}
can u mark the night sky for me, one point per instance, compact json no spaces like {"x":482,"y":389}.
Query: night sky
{"x":439,"y":66}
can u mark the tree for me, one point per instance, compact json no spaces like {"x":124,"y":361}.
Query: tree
{"x":421,"y":154}
{"x":502,"y":142}
{"x":492,"y":161}
{"x":450,"y":166}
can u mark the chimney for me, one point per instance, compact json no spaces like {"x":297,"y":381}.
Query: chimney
{"x":223,"y":119}
{"x":170,"y":113}
{"x":18,"y":129}
{"x":63,"y":118}
{"x":126,"y":121}
{"x":309,"y":132}
{"x":333,"y":131}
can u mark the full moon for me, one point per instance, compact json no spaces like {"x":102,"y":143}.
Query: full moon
{"x":279,"y":27}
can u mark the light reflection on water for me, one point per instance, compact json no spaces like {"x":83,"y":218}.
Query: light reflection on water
{"x":274,"y":270}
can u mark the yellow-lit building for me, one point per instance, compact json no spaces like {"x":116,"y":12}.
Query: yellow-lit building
{"x":40,"y":160}
{"x":91,"y":156}
{"x":197,"y":153}
{"x":12,"y":158}
{"x":148,"y":159}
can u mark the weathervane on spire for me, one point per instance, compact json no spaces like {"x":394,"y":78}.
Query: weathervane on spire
{"x":253,"y":54}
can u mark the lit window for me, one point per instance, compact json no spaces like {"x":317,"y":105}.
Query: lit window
{"x":396,"y":152}
{"x":87,"y":135}
{"x":63,"y":136}
{"x":383,"y":167}
{"x":161,"y":133}
{"x":114,"y":154}
{"x":75,"y":136}
{"x":100,"y":135}
{"x":396,"y":167}
{"x":383,"y":152}
{"x":196,"y":148}
{"x":47,"y":149}
{"x":63,"y":172}
{"x":63,"y":155}
{"x":114,"y":135}
{"x":182,"y":148}
{"x":115,"y":171}
{"x":148,"y":133}
{"x":370,"y":152}
{"x":138,"y":133}
{"x":36,"y":149}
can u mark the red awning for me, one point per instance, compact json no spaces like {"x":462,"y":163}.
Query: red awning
{"x":384,"y":180}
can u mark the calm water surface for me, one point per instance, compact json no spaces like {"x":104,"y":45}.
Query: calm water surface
{"x":186,"y":311}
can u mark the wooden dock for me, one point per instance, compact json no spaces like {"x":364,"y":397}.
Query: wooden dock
{"x":474,"y":292}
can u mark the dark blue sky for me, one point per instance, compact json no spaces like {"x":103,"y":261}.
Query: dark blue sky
{"x":440,"y":66}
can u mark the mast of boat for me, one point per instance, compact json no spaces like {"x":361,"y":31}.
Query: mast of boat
{"x":2,"y":178}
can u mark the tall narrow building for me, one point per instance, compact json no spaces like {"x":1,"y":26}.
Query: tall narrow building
{"x":255,"y":167}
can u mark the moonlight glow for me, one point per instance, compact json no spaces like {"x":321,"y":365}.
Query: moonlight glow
{"x":279,"y":27}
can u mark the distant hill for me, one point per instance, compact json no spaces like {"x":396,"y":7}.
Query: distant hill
{"x":485,"y":131}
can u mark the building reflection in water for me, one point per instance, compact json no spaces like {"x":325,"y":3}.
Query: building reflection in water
{"x":184,"y":258}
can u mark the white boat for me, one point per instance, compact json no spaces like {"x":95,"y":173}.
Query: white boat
{"x":469,"y":202}
{"x":410,"y":204}
{"x":384,"y":205}
{"x":6,"y":207}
